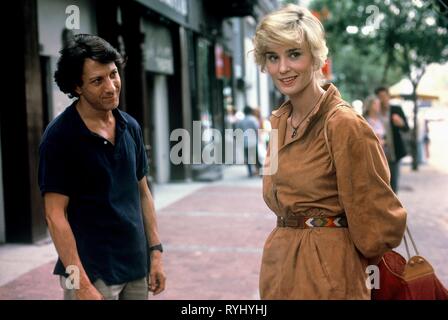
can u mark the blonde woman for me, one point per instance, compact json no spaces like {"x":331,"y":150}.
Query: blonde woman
{"x":372,"y":113}
{"x":336,"y":212}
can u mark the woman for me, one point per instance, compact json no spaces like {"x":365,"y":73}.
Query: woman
{"x":336,"y":210}
{"x":372,"y":114}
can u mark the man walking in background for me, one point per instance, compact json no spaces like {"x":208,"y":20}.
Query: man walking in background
{"x":250,"y":126}
{"x":395,"y":123}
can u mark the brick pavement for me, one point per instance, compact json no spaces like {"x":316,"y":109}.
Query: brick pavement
{"x":213,"y":240}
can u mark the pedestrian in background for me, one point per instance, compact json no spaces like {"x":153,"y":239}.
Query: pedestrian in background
{"x":92,"y":175}
{"x":260,"y":138}
{"x":426,"y":139}
{"x":372,"y":113}
{"x":249,"y":125}
{"x":263,"y":136}
{"x":395,"y":122}
{"x":336,"y":212}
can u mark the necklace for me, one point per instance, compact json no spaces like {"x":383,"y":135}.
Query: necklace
{"x":294,"y":132}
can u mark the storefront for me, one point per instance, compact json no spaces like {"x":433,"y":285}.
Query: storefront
{"x":182,"y":84}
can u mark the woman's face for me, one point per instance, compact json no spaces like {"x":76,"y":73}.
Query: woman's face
{"x":376,"y":106}
{"x":291,"y":68}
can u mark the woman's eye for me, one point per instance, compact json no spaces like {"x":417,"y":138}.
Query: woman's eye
{"x":272,"y":58}
{"x":294,"y":55}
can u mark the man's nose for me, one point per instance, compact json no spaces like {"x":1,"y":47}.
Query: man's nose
{"x":110,"y":85}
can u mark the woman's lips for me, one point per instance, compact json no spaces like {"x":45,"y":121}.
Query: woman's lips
{"x":288,"y":81}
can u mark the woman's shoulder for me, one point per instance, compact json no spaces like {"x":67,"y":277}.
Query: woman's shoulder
{"x":343,"y":120}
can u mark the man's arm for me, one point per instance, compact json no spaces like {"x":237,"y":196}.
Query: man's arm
{"x":64,"y":241}
{"x":399,"y":119}
{"x":157,"y":277}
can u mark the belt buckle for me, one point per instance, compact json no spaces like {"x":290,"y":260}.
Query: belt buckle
{"x":282,"y":221}
{"x":294,"y":223}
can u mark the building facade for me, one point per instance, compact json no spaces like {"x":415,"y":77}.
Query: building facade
{"x":187,"y":60}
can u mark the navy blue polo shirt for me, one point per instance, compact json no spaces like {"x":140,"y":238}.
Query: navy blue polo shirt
{"x":101,"y":181}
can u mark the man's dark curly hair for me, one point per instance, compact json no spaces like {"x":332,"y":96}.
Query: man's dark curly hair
{"x":71,"y":62}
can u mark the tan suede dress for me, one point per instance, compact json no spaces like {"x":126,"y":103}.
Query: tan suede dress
{"x":328,"y":263}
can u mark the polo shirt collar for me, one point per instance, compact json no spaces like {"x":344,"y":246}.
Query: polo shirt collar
{"x":80,"y":126}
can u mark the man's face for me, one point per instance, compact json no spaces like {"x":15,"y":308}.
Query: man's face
{"x":384,"y":98}
{"x":101,"y":85}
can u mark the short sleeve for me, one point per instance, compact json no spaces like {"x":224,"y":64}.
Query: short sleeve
{"x":53,"y":172}
{"x":376,"y":218}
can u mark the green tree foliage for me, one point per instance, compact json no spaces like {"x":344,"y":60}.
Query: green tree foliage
{"x":395,"y":37}
{"x":357,"y":71}
{"x":285,"y":2}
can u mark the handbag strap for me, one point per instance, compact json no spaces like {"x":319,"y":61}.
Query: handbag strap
{"x":412,"y":242}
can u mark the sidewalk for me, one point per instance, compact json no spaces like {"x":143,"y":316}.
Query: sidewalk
{"x":425,"y":196}
{"x":213,"y":234}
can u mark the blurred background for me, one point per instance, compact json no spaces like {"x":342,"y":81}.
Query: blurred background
{"x":191,"y":60}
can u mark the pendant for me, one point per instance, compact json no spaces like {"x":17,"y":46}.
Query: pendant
{"x":294,"y":133}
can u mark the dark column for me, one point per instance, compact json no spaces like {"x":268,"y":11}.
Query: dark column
{"x":134,"y":97}
{"x":21,"y":125}
{"x":109,"y":28}
{"x":176,"y":99}
{"x":106,"y":21}
{"x":134,"y":73}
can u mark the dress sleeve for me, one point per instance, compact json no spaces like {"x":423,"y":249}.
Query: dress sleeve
{"x":376,"y":218}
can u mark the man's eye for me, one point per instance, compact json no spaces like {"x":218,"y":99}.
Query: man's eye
{"x":96,"y":81}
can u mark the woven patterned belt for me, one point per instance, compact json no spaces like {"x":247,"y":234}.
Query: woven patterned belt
{"x":303,"y":222}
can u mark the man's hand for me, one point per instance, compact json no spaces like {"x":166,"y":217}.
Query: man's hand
{"x":88,"y":292}
{"x":157,"y":278}
{"x":397,"y":120}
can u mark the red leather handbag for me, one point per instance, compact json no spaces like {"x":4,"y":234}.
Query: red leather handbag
{"x":408,"y":280}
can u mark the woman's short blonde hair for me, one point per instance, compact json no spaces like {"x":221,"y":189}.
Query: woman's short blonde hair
{"x":368,"y":103}
{"x":290,"y":25}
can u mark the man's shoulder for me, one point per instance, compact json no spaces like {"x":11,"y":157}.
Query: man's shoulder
{"x":132,"y":123}
{"x":246,"y":123}
{"x":395,"y":108}
{"x":59,"y":127}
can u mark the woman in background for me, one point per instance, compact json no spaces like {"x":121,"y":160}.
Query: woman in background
{"x":372,"y":113}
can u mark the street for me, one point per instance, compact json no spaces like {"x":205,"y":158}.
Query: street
{"x":213,"y":234}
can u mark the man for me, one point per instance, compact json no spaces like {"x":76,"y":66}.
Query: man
{"x":92,"y":175}
{"x":395,"y":123}
{"x":249,"y":124}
